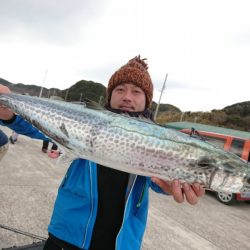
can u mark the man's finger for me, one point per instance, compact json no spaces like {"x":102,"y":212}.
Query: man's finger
{"x":198,"y":189}
{"x":190,"y":194}
{"x":177,"y":191}
{"x":164,"y":185}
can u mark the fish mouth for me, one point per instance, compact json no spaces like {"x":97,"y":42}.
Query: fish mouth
{"x":247,"y":185}
{"x":245,"y":189}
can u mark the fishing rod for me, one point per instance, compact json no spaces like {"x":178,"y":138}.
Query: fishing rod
{"x":34,"y":236}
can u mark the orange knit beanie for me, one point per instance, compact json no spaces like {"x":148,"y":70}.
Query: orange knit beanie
{"x":135,"y":71}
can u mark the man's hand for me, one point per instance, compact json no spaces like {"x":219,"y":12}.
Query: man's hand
{"x":5,"y":113}
{"x":181,"y":191}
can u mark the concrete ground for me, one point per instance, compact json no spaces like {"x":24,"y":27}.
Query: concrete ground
{"x":28,"y":185}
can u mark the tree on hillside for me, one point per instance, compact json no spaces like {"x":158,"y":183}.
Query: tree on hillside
{"x":85,"y":89}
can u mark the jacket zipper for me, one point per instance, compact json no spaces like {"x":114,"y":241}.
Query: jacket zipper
{"x":92,"y":206}
{"x":125,"y":212}
{"x":142,"y":194}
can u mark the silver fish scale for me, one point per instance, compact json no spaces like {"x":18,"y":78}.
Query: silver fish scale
{"x":131,"y":145}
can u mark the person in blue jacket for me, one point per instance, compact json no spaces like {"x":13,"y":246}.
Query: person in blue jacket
{"x":98,"y":207}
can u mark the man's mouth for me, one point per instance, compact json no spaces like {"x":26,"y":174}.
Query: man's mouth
{"x":126,"y":108}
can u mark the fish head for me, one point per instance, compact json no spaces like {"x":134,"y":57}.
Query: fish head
{"x":230,"y":176}
{"x":246,"y":187}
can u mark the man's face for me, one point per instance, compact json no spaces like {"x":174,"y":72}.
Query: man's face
{"x":128,"y":97}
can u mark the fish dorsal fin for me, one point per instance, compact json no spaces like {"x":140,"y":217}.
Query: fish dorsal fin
{"x":138,"y":118}
{"x":92,"y":104}
{"x":145,"y":116}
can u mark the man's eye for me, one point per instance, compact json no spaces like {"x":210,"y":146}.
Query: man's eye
{"x":137,"y":91}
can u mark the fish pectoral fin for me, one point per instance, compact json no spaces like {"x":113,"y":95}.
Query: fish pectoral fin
{"x":66,"y":156}
{"x":205,"y":162}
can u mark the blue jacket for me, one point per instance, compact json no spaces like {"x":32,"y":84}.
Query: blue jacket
{"x":76,"y":204}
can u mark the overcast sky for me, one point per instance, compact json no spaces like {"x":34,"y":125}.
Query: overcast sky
{"x":203,"y":45}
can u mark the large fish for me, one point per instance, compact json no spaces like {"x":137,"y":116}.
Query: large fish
{"x":132,"y":145}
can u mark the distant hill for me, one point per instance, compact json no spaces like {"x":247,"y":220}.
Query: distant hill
{"x":165,"y":108}
{"x":33,"y":90}
{"x":85,"y":89}
{"x":235,"y":116}
{"x":241,"y":109}
{"x":4,"y":82}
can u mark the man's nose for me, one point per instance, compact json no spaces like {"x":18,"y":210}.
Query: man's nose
{"x":127,"y":96}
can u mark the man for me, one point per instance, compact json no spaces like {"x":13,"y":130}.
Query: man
{"x":98,"y":207}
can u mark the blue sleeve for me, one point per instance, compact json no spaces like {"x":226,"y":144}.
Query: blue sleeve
{"x":21,"y":126}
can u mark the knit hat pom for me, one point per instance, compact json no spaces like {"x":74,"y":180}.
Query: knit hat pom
{"x":136,"y":72}
{"x":138,"y":62}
